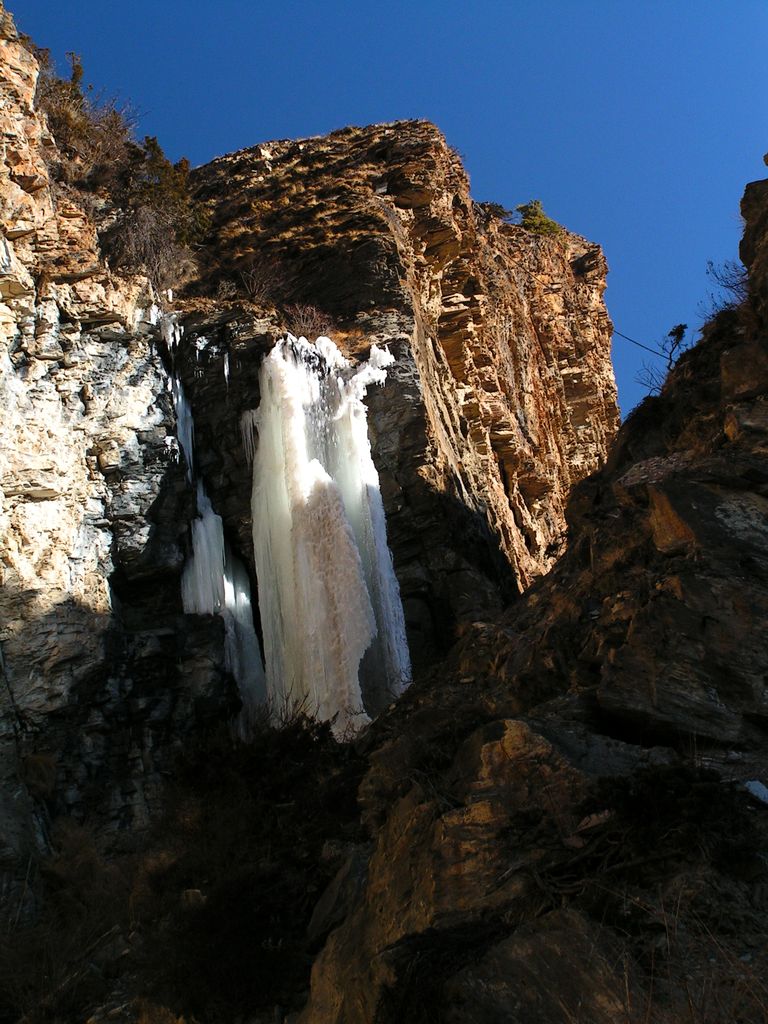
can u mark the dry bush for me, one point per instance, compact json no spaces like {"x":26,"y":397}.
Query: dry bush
{"x":226,"y":290}
{"x":93,"y":133}
{"x":155,"y":219}
{"x":652,"y":376}
{"x":310,"y":322}
{"x":262,"y":279}
{"x":144,"y":240}
{"x":158,"y":219}
{"x":731,"y":280}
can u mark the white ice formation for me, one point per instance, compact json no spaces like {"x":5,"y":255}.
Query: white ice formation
{"x":331,"y":615}
{"x":214,"y":581}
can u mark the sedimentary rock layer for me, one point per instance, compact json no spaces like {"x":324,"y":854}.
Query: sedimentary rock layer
{"x":587,"y":752}
{"x":99,"y":669}
{"x":502,"y":395}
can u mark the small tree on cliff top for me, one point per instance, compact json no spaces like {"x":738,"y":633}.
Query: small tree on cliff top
{"x":533,"y":218}
{"x":652,"y":376}
{"x":158,"y":218}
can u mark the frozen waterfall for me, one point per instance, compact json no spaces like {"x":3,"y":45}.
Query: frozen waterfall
{"x":214,"y":581}
{"x":334,"y":632}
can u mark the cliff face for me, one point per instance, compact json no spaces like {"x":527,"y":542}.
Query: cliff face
{"x":98,"y":665}
{"x":543,"y":796}
{"x":501,"y":398}
{"x":573,"y":769}
{"x":502,"y":395}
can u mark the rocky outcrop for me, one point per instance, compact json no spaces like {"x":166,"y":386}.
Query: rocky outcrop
{"x":501,"y":340}
{"x":580,"y":764}
{"x":101,"y":674}
{"x":553,"y":822}
{"x":502,"y":396}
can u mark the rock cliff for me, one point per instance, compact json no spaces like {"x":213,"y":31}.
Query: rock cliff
{"x":587,"y":761}
{"x":577,"y":781}
{"x":502,"y":397}
{"x":100,"y":670}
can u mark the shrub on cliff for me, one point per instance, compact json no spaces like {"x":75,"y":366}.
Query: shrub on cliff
{"x":262,"y":278}
{"x":154,"y":218}
{"x":308,"y":321}
{"x":93,"y":133}
{"x":652,"y":376}
{"x":496,"y":210}
{"x":533,"y":218}
{"x":158,"y":220}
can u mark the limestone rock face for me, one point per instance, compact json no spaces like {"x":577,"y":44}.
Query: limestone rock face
{"x":99,"y":675}
{"x":502,"y":395}
{"x":537,"y":802}
{"x":501,"y":398}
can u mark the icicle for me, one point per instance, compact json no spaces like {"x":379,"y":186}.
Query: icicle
{"x":171,"y":331}
{"x":185,"y":427}
{"x":214,"y":581}
{"x":242,"y":652}
{"x":226,"y":369}
{"x":327,"y":586}
{"x":248,"y":429}
{"x":386,"y":669}
{"x":202,"y":583}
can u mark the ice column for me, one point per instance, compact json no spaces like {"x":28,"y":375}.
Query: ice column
{"x":328,"y":592}
{"x":214,"y":581}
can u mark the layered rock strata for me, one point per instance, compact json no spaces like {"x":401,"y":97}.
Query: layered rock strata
{"x":598,"y":753}
{"x":501,"y":341}
{"x":580,"y":783}
{"x":502,"y":395}
{"x":101,"y":674}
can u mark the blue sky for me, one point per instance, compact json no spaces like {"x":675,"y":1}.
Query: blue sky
{"x":637,"y":124}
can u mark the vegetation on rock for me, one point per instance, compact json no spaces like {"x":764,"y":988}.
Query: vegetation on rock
{"x":93,"y":133}
{"x":533,"y":218}
{"x":206,"y":915}
{"x":158,"y":220}
{"x":152,"y":220}
{"x":529,"y":215}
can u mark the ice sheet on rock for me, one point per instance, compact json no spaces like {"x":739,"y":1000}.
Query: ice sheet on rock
{"x":248,"y":430}
{"x":242,"y":652}
{"x":202,"y":582}
{"x":185,"y":427}
{"x":386,"y":669}
{"x":328,"y":593}
{"x":214,"y":581}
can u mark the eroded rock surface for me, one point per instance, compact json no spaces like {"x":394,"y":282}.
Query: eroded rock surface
{"x":502,"y":395}
{"x":581,"y":763}
{"x":101,"y":675}
{"x":501,"y":341}
{"x":553,"y":822}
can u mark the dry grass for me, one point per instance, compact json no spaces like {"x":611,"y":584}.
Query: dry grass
{"x":52,"y":966}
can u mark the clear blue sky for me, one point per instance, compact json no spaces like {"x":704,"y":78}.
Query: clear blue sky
{"x":636,"y":122}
